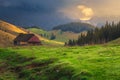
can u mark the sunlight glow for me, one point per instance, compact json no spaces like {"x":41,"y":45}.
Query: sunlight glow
{"x":87,"y":13}
{"x":79,"y":12}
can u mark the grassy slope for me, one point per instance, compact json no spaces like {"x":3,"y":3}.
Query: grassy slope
{"x":6,"y":39}
{"x":9,"y":27}
{"x":37,"y":31}
{"x":117,"y":42}
{"x":63,"y":37}
{"x":61,"y":63}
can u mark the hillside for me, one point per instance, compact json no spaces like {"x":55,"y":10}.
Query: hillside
{"x":10,"y":28}
{"x":9,"y":31}
{"x":44,"y":36}
{"x":37,"y":30}
{"x":64,"y":36}
{"x":114,"y":42}
{"x":75,"y":27}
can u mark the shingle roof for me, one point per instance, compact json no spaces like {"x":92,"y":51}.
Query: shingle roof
{"x":23,"y":37}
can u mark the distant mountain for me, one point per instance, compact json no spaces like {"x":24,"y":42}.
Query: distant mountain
{"x":76,"y":27}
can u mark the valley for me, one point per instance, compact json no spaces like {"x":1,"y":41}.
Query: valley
{"x":54,"y":61}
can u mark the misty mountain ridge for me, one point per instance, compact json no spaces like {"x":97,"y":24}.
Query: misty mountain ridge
{"x":75,"y":27}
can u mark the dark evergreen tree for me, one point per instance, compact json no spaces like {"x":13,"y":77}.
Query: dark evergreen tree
{"x":101,"y":35}
{"x":52,"y":37}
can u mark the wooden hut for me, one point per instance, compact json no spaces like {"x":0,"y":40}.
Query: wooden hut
{"x":26,"y":39}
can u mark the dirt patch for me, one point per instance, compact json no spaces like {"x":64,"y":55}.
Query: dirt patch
{"x":41,"y":63}
{"x":3,"y":67}
{"x":19,"y":59}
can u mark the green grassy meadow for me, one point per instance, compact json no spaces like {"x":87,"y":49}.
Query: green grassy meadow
{"x":98,"y":62}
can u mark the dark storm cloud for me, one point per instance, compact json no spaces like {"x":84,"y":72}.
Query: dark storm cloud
{"x":31,"y":6}
{"x":46,"y":13}
{"x":30,"y":12}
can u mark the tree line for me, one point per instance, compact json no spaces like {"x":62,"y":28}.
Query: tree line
{"x":106,"y":33}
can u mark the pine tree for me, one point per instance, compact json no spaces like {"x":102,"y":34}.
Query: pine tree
{"x":101,"y":35}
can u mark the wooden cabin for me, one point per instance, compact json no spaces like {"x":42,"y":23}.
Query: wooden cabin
{"x":27,"y":39}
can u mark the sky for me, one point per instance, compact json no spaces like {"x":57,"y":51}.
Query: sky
{"x":50,"y":13}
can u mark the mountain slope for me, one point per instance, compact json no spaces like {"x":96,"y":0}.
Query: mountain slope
{"x":64,"y":36}
{"x":7,"y":27}
{"x":37,"y":30}
{"x":76,"y":27}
